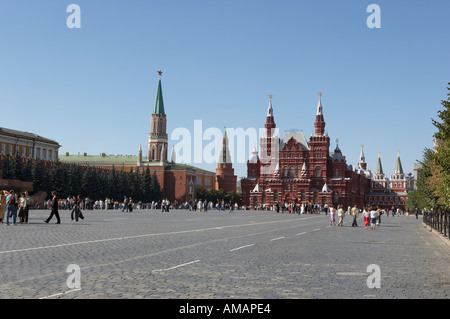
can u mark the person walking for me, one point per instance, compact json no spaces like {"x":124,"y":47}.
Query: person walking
{"x":366,"y":216}
{"x":28,"y":203}
{"x":130,"y":205}
{"x":76,"y":212}
{"x":340,"y":213}
{"x":380,"y":212}
{"x":332,"y":215}
{"x":373,"y":217}
{"x":22,"y":206}
{"x":125,"y":204}
{"x":354,"y":214}
{"x":2,"y":205}
{"x":11,"y":207}
{"x":54,"y":209}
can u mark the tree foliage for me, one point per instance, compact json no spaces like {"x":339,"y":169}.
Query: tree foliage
{"x":433,"y":183}
{"x":213,"y":195}
{"x":441,"y":158}
{"x":72,"y":180}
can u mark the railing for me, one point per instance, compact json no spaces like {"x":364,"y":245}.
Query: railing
{"x":439,"y":221}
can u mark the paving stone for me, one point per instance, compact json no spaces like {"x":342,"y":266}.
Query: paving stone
{"x":214,"y":255}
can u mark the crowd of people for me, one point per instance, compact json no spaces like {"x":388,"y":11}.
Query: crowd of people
{"x":296,"y":208}
{"x":16,"y":207}
{"x":371,"y":215}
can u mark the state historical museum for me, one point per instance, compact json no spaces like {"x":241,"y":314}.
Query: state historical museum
{"x":293,"y":170}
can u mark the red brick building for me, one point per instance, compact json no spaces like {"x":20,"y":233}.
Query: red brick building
{"x":294,"y":170}
{"x":390,"y":194}
{"x":225,"y":178}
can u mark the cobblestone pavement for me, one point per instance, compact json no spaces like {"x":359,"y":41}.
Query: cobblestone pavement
{"x":218,"y":255}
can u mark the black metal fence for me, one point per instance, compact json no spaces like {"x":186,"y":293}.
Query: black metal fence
{"x":439,"y":221}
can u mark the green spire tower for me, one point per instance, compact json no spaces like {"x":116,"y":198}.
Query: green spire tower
{"x":159,"y":104}
{"x":157,"y":139}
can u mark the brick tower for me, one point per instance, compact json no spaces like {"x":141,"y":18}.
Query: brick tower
{"x":157,"y":139}
{"x":225,"y":178}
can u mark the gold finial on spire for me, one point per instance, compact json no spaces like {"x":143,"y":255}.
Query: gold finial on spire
{"x":337,"y":141}
{"x":270,"y":96}
{"x":320,"y":94}
{"x":398,"y":154}
{"x":362,"y":146}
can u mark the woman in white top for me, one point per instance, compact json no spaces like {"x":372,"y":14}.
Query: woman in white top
{"x":332,"y":215}
{"x":366,"y":216}
{"x":373,"y":217}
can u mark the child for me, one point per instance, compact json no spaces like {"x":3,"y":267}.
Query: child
{"x":332,"y":215}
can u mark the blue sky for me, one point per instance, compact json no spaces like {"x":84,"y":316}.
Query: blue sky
{"x":93,"y":89}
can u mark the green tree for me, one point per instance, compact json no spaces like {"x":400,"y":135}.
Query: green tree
{"x":87,"y":182}
{"x":442,"y":156}
{"x":27,"y":173}
{"x":114,"y":184}
{"x":58,"y":179}
{"x":39,"y":180}
{"x":6,"y":167}
{"x":156,"y":188}
{"x":16,"y":167}
{"x":132,"y":184}
{"x":146,"y":186}
{"x":74,"y":177}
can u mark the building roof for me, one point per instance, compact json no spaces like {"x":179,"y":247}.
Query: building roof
{"x":379,"y":170}
{"x":225,"y":157}
{"x":98,"y":158}
{"x":118,"y":160}
{"x":26,"y":135}
{"x":270,"y":109}
{"x":398,"y":166}
{"x":298,"y":136}
{"x":159,"y":104}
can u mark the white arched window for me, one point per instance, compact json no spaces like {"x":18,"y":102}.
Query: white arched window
{"x":317,"y":171}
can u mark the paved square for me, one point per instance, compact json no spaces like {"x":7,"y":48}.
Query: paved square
{"x":244,"y":254}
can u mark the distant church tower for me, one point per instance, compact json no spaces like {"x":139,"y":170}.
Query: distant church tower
{"x":319,"y":145}
{"x":157,"y":139}
{"x":398,"y":179}
{"x":362,"y":159}
{"x":225,"y":178}
{"x":379,"y":182}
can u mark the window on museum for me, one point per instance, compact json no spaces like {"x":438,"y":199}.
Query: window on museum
{"x":317,"y":171}
{"x":10,"y":150}
{"x":285,"y":171}
{"x":298,"y":171}
{"x":291,"y":172}
{"x":3,"y":149}
{"x":24,"y":152}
